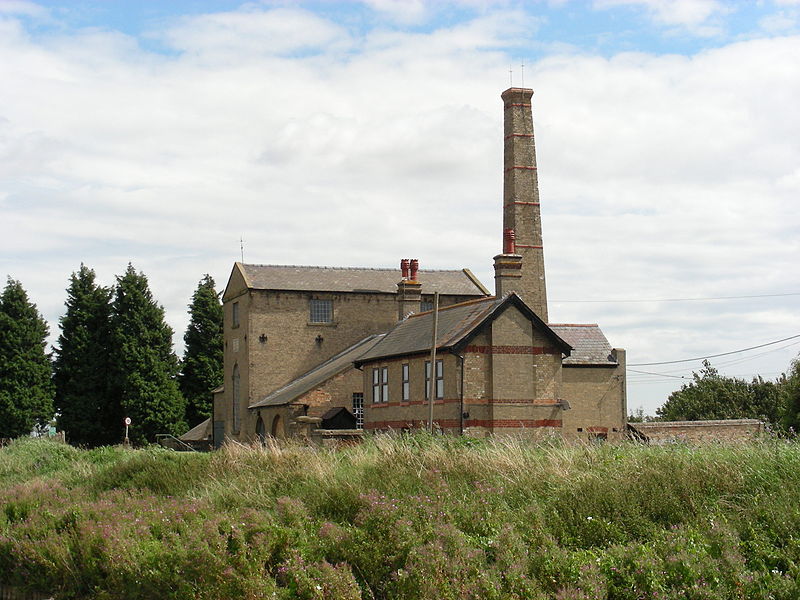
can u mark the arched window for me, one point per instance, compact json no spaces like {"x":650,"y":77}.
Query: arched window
{"x":261,"y":431}
{"x":237,"y":418}
{"x":277,"y":427}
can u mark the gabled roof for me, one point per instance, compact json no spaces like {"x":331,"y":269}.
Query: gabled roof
{"x":458,"y":324}
{"x":318,"y":375}
{"x":350,"y":279}
{"x":198,"y":433}
{"x":590,"y":346}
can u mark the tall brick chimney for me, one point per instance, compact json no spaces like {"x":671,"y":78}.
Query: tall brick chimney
{"x":521,"y":207}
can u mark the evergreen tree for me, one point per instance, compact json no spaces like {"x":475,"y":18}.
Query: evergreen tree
{"x":143,"y":366}
{"x":88,"y":414}
{"x":201,"y":370}
{"x":26,"y":387}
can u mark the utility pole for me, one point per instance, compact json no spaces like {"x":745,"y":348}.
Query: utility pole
{"x":432,"y":381}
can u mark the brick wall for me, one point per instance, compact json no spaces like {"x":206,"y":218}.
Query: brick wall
{"x":733,"y":430}
{"x":597,"y":399}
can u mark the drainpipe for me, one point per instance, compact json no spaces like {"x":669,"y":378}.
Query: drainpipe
{"x":461,"y":395}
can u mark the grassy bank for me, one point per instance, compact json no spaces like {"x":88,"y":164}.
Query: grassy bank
{"x":403,"y":518}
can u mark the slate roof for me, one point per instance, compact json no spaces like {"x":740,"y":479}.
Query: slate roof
{"x":456,"y":325}
{"x":198,"y":433}
{"x":318,"y":375}
{"x":350,"y":279}
{"x":590,"y":346}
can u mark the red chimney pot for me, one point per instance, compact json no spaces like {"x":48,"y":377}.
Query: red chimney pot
{"x":414,"y":269}
{"x":509,"y":241}
{"x":404,"y":268}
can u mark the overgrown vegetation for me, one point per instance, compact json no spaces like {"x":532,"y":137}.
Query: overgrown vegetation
{"x":403,"y":518}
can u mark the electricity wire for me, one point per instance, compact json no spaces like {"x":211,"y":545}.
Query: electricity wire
{"x":683,"y":360}
{"x":620,"y":301}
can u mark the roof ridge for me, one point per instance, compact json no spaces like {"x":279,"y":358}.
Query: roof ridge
{"x":348,"y":268}
{"x":573,"y":325}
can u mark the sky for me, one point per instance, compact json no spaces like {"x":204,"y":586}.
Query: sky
{"x":360,"y":133}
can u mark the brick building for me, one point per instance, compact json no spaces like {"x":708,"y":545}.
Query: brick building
{"x":302,"y":341}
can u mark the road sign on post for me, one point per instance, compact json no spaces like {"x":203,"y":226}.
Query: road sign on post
{"x":127,"y":424}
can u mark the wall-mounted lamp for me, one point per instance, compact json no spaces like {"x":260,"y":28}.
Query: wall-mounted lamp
{"x":263,"y":338}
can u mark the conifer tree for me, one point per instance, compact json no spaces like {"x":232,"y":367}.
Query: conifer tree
{"x":87,"y":412}
{"x":201,"y":369}
{"x":26,"y":387}
{"x":143,"y":366}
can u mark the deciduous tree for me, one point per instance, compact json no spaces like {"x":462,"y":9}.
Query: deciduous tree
{"x":713,"y":396}
{"x":26,"y":387}
{"x":201,"y":368}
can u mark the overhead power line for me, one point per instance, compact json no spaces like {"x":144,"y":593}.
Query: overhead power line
{"x":659,"y":374}
{"x":672,"y":362}
{"x":614,"y":301}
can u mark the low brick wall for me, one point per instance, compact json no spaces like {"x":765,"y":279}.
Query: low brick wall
{"x":732,"y":430}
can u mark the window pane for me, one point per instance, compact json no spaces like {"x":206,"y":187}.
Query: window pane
{"x":427,"y":379}
{"x":358,"y":409}
{"x":321,"y":311}
{"x":235,"y":314}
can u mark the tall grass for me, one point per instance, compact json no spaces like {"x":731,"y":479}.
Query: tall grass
{"x":403,"y":517}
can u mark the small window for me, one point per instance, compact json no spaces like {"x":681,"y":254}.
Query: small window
{"x":321,"y":311}
{"x":439,"y":379}
{"x":235,"y":315}
{"x":406,"y":386}
{"x":385,"y":384}
{"x":358,"y":409}
{"x":376,"y":386}
{"x":425,"y":305}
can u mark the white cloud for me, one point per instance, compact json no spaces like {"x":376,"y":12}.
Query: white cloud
{"x":402,"y":11}
{"x":697,"y":16}
{"x":22,"y":8}
{"x":250,"y":32}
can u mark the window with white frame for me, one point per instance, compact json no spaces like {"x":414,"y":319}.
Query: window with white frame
{"x":406,"y":386}
{"x":376,"y":386}
{"x":439,"y":379}
{"x":380,"y":384}
{"x":358,"y":409}
{"x":321,"y":311}
{"x":384,"y":384}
